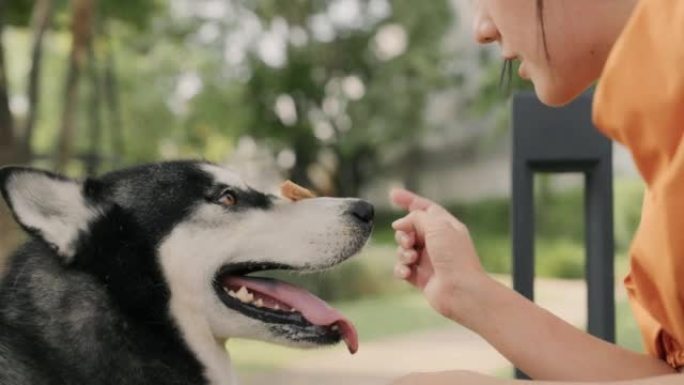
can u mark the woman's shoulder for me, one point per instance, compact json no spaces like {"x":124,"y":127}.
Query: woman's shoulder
{"x":640,"y":95}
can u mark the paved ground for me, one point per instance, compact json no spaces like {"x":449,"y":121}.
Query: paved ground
{"x":380,"y":361}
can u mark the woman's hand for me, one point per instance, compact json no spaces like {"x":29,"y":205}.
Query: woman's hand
{"x":436,"y":254}
{"x":448,"y":378}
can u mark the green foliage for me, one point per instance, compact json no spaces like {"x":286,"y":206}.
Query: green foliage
{"x":137,"y":13}
{"x":391,"y":109}
{"x":560,"y":258}
{"x":154,"y":47}
{"x":17,"y":12}
{"x":628,"y":198}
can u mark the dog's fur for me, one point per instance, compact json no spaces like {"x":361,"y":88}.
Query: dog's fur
{"x":117,"y":284}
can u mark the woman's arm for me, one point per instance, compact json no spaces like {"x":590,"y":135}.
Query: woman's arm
{"x":470,"y":378}
{"x":437,"y":256}
{"x":546,"y":347}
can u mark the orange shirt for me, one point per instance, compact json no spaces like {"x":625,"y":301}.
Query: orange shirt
{"x":640,"y":103}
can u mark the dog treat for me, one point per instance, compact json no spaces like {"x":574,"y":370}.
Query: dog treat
{"x":295,"y":192}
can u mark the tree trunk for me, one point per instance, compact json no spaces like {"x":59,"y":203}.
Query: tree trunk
{"x":94,"y":158}
{"x":81,"y":29}
{"x":300,"y":172}
{"x":7,"y":149}
{"x":9,"y":231}
{"x":43,"y":12}
{"x":353,"y":171}
{"x":111,"y":94}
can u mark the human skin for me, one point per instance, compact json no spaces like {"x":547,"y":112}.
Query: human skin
{"x":579,"y":35}
{"x":470,"y":378}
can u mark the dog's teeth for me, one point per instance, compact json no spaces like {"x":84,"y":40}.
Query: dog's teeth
{"x":292,"y":310}
{"x":231,"y":293}
{"x":244,"y":295}
{"x":276,"y":307}
{"x":259,"y":303}
{"x":335,"y":328}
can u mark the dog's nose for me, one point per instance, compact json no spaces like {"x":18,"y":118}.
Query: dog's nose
{"x":363,"y":211}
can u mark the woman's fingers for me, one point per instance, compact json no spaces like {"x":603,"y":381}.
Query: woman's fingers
{"x":402,"y":271}
{"x":415,"y":223}
{"x":407,"y":224}
{"x":417,"y":274}
{"x":413,"y":220}
{"x":408,"y":200}
{"x":409,"y":256}
{"x":405,"y":239}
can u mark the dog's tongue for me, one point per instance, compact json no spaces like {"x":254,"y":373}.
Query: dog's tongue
{"x":314,"y":309}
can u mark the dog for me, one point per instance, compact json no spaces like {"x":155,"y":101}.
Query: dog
{"x":141,"y":275}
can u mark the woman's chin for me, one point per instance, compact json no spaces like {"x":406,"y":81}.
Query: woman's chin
{"x":556,"y":95}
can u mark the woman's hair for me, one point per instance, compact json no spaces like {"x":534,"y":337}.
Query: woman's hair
{"x":542,"y":25}
{"x":505,"y":80}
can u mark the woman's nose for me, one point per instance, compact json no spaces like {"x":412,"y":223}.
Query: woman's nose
{"x":484,"y":29}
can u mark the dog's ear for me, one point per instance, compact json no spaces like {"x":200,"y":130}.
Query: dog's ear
{"x":50,"y":206}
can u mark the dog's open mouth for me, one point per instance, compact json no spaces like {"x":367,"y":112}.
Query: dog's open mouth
{"x":277,"y":302}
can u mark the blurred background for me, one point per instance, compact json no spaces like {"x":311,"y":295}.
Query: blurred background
{"x":348,"y":97}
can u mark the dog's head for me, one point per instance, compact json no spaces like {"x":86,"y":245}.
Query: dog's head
{"x":178,"y":239}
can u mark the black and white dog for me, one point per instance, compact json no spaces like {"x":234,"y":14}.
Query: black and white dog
{"x":139,"y":276}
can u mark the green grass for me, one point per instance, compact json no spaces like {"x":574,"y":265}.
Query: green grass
{"x":255,"y":356}
{"x":389,"y":316}
{"x":627,"y":331}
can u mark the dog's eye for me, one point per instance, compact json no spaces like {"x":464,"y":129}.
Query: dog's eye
{"x":227,"y":198}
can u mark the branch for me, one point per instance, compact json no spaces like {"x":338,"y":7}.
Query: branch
{"x":81,"y":29}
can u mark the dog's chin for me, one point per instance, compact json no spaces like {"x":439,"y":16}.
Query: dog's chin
{"x":304,"y":337}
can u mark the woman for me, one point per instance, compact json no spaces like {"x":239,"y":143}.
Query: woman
{"x":637,"y":50}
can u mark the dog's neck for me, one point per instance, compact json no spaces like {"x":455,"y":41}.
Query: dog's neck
{"x":211,"y":352}
{"x":38,"y":295}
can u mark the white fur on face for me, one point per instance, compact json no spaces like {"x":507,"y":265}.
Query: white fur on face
{"x":54,"y":207}
{"x":224,"y":176}
{"x":314,"y":233}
